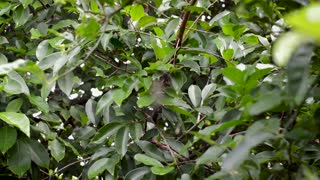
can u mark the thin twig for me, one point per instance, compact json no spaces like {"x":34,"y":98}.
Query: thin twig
{"x":71,"y":164}
{"x":108,"y":62}
{"x":194,"y":126}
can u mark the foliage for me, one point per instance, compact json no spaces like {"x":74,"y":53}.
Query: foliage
{"x":121,"y":89}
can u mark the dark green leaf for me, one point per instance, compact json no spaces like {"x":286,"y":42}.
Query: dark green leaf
{"x":57,"y":149}
{"x":38,"y":153}
{"x":147,"y":160}
{"x":121,"y":140}
{"x":8,"y":137}
{"x":19,"y":160}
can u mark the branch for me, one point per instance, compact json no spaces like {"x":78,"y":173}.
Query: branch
{"x":194,"y":126}
{"x":181,"y":30}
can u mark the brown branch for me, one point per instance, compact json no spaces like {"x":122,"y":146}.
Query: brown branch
{"x":181,"y":30}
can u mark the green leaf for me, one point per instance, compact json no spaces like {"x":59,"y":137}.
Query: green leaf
{"x":35,"y":33}
{"x":136,"y":131}
{"x":15,"y":84}
{"x":207,"y":91}
{"x":97,"y":168}
{"x":14,"y":105}
{"x":137,"y":174}
{"x":8,"y":137}
{"x":3,"y":40}
{"x":171,"y":27}
{"x":40,"y":103}
{"x":233,"y":30}
{"x":266,"y":102}
{"x":101,"y":165}
{"x":19,"y":160}
{"x":119,"y":96}
{"x":285,"y":46}
{"x":6,"y":68}
{"x":25,"y":3}
{"x":105,"y":40}
{"x":212,"y":154}
{"x":161,"y":170}
{"x":21,"y":15}
{"x":121,"y":140}
{"x":136,"y":12}
{"x":298,"y":73}
{"x":18,"y":120}
{"x":106,"y":131}
{"x":89,"y":28}
{"x":66,"y":83}
{"x":145,"y":101}
{"x":234,"y":74}
{"x":57,"y":149}
{"x":147,"y":160}
{"x":257,"y":133}
{"x":227,"y":54}
{"x":3,"y":59}
{"x":38,"y":153}
{"x":90,"y":111}
{"x":194,"y":93}
{"x":306,"y":20}
{"x":186,"y":177}
{"x":146,"y":20}
{"x":151,"y":150}
{"x":64,"y":23}
{"x":105,"y":101}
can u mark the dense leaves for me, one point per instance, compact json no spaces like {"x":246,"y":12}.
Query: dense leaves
{"x":124,"y":89}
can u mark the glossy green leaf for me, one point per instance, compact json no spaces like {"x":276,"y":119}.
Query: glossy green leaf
{"x":40,"y":103}
{"x":146,"y":20}
{"x":38,"y":153}
{"x":161,"y":170}
{"x":151,"y":150}
{"x":57,"y":149}
{"x":105,"y":101}
{"x":145,"y":100}
{"x":19,"y":160}
{"x":119,"y":96}
{"x":257,"y":133}
{"x":121,"y":140}
{"x":3,"y":59}
{"x":207,"y":91}
{"x":3,"y":40}
{"x":97,"y":167}
{"x":106,"y":131}
{"x":137,"y":173}
{"x":8,"y":137}
{"x":91,"y":111}
{"x":89,"y":28}
{"x":147,"y":160}
{"x":21,"y":15}
{"x":18,"y":120}
{"x":6,"y":68}
{"x":15,"y":84}
{"x":25,"y":3}
{"x":227,"y":54}
{"x":101,"y":165}
{"x":66,"y":83}
{"x":194,"y":93}
{"x":136,"y":12}
{"x":14,"y":105}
